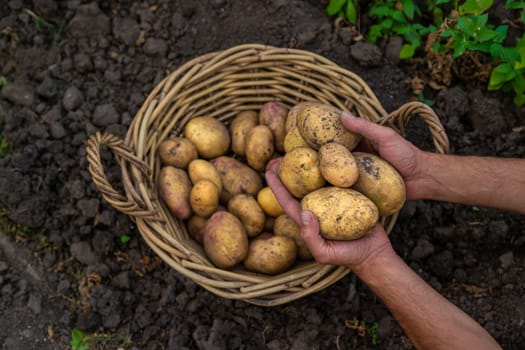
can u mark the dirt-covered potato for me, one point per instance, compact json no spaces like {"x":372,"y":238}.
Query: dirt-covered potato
{"x":236,"y":177}
{"x":239,"y":127}
{"x":293,"y":139}
{"x":209,"y":135}
{"x":299,"y":171}
{"x":380,"y":181}
{"x":285,"y":226}
{"x":338,"y":165}
{"x":320,"y":124}
{"x":259,"y":147}
{"x":196,"y":226}
{"x":225,"y":240}
{"x":200,"y":169}
{"x":177,"y":152}
{"x":174,"y":189}
{"x":269,"y":203}
{"x":343,"y":213}
{"x":273,"y":115}
{"x":246,"y":208}
{"x":291,"y":118}
{"x":270,"y":254}
{"x":204,"y":198}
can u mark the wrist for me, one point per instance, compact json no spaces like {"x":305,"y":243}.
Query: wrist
{"x":429,"y":163}
{"x":375,"y":261}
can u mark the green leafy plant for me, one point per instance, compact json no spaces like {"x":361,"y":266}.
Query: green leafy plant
{"x":343,"y":8}
{"x":5,"y":146}
{"x":3,"y":81}
{"x":363,"y":329}
{"x":79,"y":340}
{"x":125,"y":239}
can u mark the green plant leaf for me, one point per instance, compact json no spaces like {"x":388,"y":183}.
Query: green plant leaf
{"x":398,"y":17}
{"x":125,"y":238}
{"x":518,"y":84}
{"x":515,"y":5}
{"x":375,"y":33}
{"x":500,"y":75}
{"x":351,"y":11}
{"x":408,"y":8}
{"x":379,"y":11}
{"x":475,"y":7}
{"x":78,"y":340}
{"x":440,"y":2}
{"x":460,"y":49}
{"x":407,"y":51}
{"x":334,"y":6}
{"x":519,"y":100}
{"x":387,"y":23}
{"x":496,"y":51}
{"x":502,"y":32}
{"x":485,"y":34}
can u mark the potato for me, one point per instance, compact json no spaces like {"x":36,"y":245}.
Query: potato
{"x":204,"y":198}
{"x":174,"y":189}
{"x":299,"y":171}
{"x":177,"y":152}
{"x":225,"y":240}
{"x":343,"y":213}
{"x":273,"y":115}
{"x":380,"y":181}
{"x":319,"y":124}
{"x":246,"y":208}
{"x":209,"y":135}
{"x":196,"y":226}
{"x":293,"y":139}
{"x":239,"y":127}
{"x":270,"y":254}
{"x":259,"y":147}
{"x":269,"y":203}
{"x":291,"y":118}
{"x":286,"y":226}
{"x":236,"y":178}
{"x":200,"y":169}
{"x":338,"y":165}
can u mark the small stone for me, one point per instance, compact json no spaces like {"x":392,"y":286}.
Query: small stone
{"x":89,"y":21}
{"x":393,"y":48}
{"x":19,"y":93}
{"x":487,"y":114}
{"x":88,"y":321}
{"x":506,"y":259}
{"x":57,"y":130}
{"x":105,"y":115}
{"x":83,"y":63}
{"x":83,"y":253}
{"x":38,"y":131}
{"x":367,"y":54}
{"x":72,"y":99}
{"x":155,"y":47}
{"x":47,"y":88}
{"x":422,"y":250}
{"x":121,"y":280}
{"x":126,"y":30}
{"x":3,"y":266}
{"x":35,"y":303}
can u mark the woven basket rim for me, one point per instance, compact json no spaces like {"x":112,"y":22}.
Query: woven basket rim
{"x":220,"y":84}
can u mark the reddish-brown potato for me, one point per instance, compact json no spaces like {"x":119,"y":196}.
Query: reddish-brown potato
{"x":174,"y":189}
{"x":273,"y":115}
{"x":177,"y":152}
{"x":239,"y":128}
{"x":259,"y":147}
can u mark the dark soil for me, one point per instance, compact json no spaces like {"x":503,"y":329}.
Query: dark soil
{"x":63,"y":265}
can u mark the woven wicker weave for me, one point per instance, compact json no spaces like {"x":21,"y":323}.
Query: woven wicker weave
{"x":221,"y":84}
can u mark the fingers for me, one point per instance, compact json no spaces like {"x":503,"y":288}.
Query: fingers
{"x":310,"y":233}
{"x":371,"y":131}
{"x":291,"y":206}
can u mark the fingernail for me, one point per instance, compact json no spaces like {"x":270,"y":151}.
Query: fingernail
{"x":347,"y":116}
{"x":274,"y":167}
{"x":305,"y":218}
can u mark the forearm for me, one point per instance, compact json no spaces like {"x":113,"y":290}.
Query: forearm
{"x":484,"y":181}
{"x":428,"y":319}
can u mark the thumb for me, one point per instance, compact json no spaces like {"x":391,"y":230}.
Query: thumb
{"x":310,"y":232}
{"x":365,"y":128}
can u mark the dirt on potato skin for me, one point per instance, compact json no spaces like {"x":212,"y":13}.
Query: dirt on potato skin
{"x":63,"y":264}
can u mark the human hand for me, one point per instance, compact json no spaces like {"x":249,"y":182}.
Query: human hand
{"x":392,"y":147}
{"x":352,"y":254}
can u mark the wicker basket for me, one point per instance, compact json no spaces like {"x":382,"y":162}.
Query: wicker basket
{"x":221,"y":84}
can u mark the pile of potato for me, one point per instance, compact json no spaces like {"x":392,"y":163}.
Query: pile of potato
{"x":213,"y":177}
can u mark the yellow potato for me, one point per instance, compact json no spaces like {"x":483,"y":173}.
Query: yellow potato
{"x":273,"y":115}
{"x":320,"y":124}
{"x":286,"y":226}
{"x":259,"y":147}
{"x":299,"y":171}
{"x":209,"y":135}
{"x":239,"y":128}
{"x":269,"y":203}
{"x":174,"y":189}
{"x":293,"y":139}
{"x":200,"y":169}
{"x":225,"y":240}
{"x":246,"y":208}
{"x":291,"y":118}
{"x":204,"y":198}
{"x":177,"y":152}
{"x":380,"y":181}
{"x":270,"y":254}
{"x":196,"y":226}
{"x":343,"y":213}
{"x":338,"y":165}
{"x":236,"y":178}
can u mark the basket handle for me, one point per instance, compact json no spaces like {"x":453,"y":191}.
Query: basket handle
{"x":123,"y":154}
{"x":399,"y":118}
